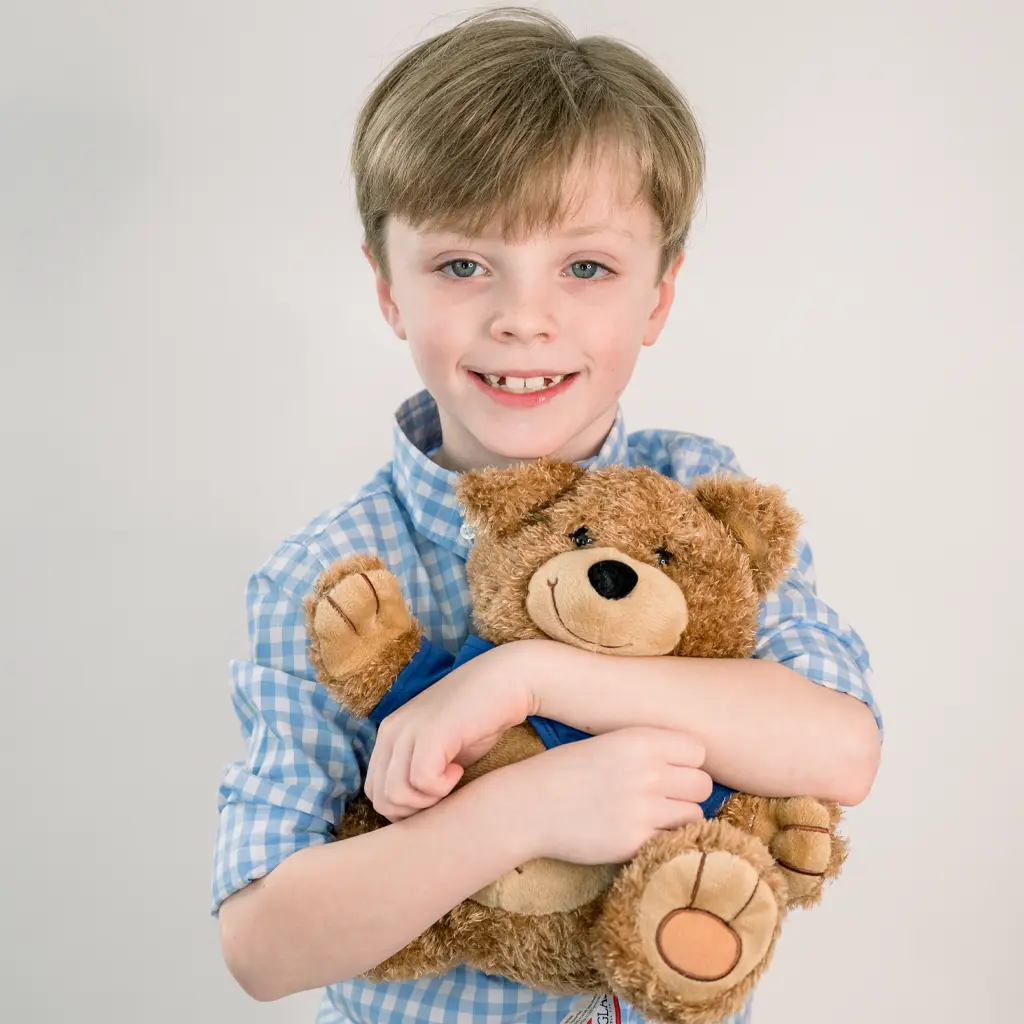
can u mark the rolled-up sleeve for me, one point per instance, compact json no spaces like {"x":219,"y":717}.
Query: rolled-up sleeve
{"x":799,"y":630}
{"x":796,"y":627}
{"x":304,"y":755}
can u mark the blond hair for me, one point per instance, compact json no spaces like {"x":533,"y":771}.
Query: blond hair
{"x":484,"y":122}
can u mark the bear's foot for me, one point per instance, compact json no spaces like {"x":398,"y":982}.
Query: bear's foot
{"x":806,"y":847}
{"x":802,"y":835}
{"x":690,"y":925}
{"x":724,"y":927}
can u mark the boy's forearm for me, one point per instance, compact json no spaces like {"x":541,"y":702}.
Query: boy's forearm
{"x":766,"y":729}
{"x":330,"y":912}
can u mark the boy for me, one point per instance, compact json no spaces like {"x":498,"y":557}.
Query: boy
{"x":526,"y":198}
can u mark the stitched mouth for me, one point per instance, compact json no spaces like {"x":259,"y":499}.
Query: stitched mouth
{"x":594,"y":643}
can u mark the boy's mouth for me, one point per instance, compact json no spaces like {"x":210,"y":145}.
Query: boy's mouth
{"x":524,"y":385}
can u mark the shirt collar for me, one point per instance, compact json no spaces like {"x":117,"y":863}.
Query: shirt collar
{"x":428,"y":491}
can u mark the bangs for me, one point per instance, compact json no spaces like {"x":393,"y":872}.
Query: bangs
{"x":526,"y":184}
{"x":486,"y":127}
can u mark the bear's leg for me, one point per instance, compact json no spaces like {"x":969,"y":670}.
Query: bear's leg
{"x":690,"y":924}
{"x":433,"y":953}
{"x":551,"y":952}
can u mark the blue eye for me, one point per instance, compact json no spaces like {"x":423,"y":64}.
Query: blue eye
{"x":455,"y":265}
{"x":592,"y":269}
{"x":465,"y":269}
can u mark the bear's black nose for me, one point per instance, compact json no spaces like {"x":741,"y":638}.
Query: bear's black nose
{"x":612,"y":579}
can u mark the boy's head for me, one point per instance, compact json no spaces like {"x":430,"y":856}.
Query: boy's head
{"x":478,"y":159}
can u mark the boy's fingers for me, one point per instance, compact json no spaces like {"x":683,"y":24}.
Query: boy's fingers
{"x":670,"y":745}
{"x":400,"y":806}
{"x":380,"y":760}
{"x":679,"y":813}
{"x":428,"y":772}
{"x":398,"y":792}
{"x":452,"y":774}
{"x":683,"y":750}
{"x":690,"y":784}
{"x":410,"y":801}
{"x":370,"y":781}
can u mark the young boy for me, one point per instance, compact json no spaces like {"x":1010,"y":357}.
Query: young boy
{"x":526,"y":197}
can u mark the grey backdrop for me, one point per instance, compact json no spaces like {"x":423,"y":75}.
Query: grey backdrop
{"x":189,"y":336}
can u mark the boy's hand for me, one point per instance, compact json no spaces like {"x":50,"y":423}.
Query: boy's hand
{"x":423,"y":747}
{"x":597,"y":801}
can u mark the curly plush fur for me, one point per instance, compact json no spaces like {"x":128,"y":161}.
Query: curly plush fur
{"x":625,"y":562}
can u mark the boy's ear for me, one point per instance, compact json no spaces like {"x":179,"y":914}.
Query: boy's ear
{"x":385,"y":298}
{"x":499,"y":501}
{"x":760,"y":518}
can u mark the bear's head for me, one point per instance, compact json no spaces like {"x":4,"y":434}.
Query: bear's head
{"x":623,"y":560}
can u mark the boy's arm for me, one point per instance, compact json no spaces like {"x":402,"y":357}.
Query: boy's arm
{"x":292,"y":903}
{"x":765,"y":728}
{"x":299,"y":910}
{"x":330,"y":912}
{"x":798,"y":718}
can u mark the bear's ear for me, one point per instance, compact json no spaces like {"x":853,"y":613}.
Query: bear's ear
{"x":759,"y":517}
{"x":499,"y":501}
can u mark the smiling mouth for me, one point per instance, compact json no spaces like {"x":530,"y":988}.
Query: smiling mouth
{"x":523,"y":385}
{"x":593,"y":643}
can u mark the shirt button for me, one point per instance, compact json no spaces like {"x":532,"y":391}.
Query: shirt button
{"x":467,"y":533}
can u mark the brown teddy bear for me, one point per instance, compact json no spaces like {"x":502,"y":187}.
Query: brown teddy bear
{"x":622,"y":561}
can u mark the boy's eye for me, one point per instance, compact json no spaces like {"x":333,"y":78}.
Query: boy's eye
{"x":458,"y":266}
{"x":581,"y":537}
{"x":465,"y":269}
{"x":590,"y":269}
{"x":664,"y":557}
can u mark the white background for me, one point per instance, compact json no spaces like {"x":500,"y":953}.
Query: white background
{"x":190,"y":343}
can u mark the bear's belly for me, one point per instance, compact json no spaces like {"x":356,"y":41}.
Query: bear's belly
{"x":547,"y":886}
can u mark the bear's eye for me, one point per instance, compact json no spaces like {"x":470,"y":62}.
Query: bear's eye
{"x":664,"y":557}
{"x":581,"y":537}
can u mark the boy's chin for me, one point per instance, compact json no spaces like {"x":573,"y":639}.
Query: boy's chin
{"x":500,"y":440}
{"x":529,"y":448}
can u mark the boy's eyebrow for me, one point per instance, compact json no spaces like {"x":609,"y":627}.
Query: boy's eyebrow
{"x":585,"y":229}
{"x":595,"y":229}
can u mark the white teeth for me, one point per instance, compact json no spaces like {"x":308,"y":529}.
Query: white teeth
{"x":522,"y":384}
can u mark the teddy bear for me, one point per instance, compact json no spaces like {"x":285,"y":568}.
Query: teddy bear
{"x":626,"y":562}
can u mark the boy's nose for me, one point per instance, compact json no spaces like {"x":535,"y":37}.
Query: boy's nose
{"x":612,"y":579}
{"x":525,"y":316}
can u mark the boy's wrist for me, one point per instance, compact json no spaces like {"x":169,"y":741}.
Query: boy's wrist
{"x":551,"y":673}
{"x":530,"y":671}
{"x":495,"y":800}
{"x":515,"y":679}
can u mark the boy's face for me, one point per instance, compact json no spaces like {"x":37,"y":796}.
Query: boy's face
{"x":569,"y":302}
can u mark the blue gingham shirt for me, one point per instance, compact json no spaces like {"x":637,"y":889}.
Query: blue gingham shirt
{"x":305,"y":756}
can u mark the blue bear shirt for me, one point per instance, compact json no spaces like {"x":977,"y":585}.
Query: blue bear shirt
{"x":432,"y":662}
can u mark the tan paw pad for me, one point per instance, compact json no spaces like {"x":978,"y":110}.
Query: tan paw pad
{"x":706,"y":921}
{"x":359,"y":614}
